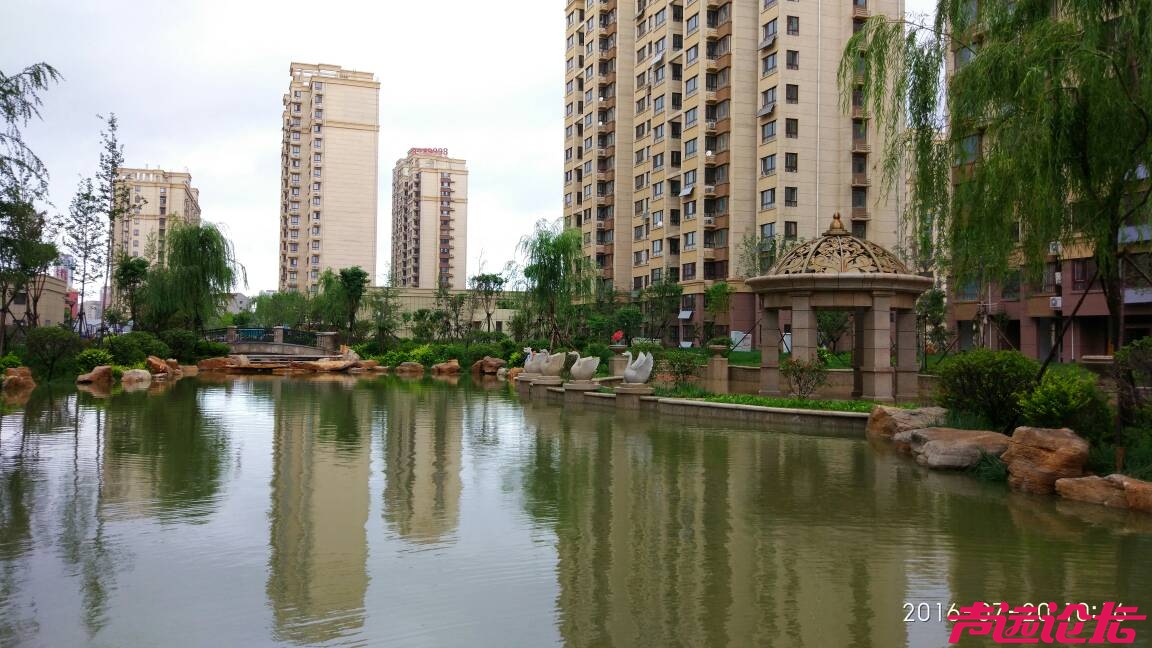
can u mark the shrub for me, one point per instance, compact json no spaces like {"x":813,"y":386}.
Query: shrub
{"x":600,"y":350}
{"x":209,"y":349}
{"x":682,"y":364}
{"x":424,"y":354}
{"x":150,"y":344}
{"x":1069,"y":397}
{"x":10,"y":361}
{"x":125,"y":350}
{"x":92,"y":357}
{"x":804,"y":376}
{"x":988,"y":384}
{"x":182,"y":345}
{"x":990,"y":468}
{"x":51,"y":350}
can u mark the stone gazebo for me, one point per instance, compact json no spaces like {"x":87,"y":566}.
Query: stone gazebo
{"x":841,"y":272}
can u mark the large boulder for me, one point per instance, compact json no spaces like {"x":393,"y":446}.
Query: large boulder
{"x":450,"y":368}
{"x":136,"y":376}
{"x":1037,"y":457}
{"x":1117,"y":491}
{"x":488,"y":365}
{"x":367,"y":364}
{"x":18,"y":380}
{"x":101,"y":375}
{"x":327,"y":365}
{"x":950,"y":448}
{"x":156,"y":365}
{"x":410,"y":369}
{"x":514,"y":372}
{"x":1096,"y":490}
{"x":886,"y":422}
{"x":214,"y":364}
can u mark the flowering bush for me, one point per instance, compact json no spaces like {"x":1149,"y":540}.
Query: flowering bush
{"x":617,"y":337}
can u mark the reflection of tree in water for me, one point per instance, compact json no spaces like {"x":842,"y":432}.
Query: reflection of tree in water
{"x":16,"y":501}
{"x":171,"y":439}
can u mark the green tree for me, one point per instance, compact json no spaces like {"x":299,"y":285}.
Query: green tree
{"x":452,"y":314}
{"x":129,"y":277}
{"x":26,"y":251}
{"x":1049,"y":115}
{"x":661,"y":302}
{"x":353,"y":281}
{"x":831,"y":325}
{"x":628,"y":319}
{"x":198,"y":277}
{"x":19,"y":103}
{"x":329,"y":306}
{"x":113,"y":195}
{"x":556,"y":275}
{"x":487,"y":289}
{"x":49,"y":347}
{"x":717,"y":299}
{"x":384,"y":309}
{"x":289,"y":309}
{"x":83,"y":238}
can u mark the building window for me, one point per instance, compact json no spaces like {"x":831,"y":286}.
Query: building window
{"x":791,"y":162}
{"x":793,"y":25}
{"x":768,"y":165}
{"x":768,"y":198}
{"x":791,"y":128}
{"x":690,"y":148}
{"x":789,"y":230}
{"x":791,"y":197}
{"x":860,"y":229}
{"x":768,"y":64}
{"x":793,"y":59}
{"x":792,"y":93}
{"x":768,"y":132}
{"x":691,"y":54}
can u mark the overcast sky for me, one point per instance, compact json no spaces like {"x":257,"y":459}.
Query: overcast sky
{"x":197,"y":86}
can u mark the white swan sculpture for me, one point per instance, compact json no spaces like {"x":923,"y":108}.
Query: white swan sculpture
{"x":552,"y":365}
{"x":637,"y":373}
{"x":534,"y":361}
{"x":584,"y":368}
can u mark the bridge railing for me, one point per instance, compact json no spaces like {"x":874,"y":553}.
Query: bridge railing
{"x":255,"y":335}
{"x":303,"y":338}
{"x":216,"y":335}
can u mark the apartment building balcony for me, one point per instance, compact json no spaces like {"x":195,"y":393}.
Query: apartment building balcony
{"x":712,"y":64}
{"x":607,"y":102}
{"x":713,"y":4}
{"x":709,"y":191}
{"x":724,"y":125}
{"x":711,"y":33}
{"x":609,"y":125}
{"x":715,"y":221}
{"x":710,"y":126}
{"x":724,"y":60}
{"x":859,"y":112}
{"x":606,"y":78}
{"x":603,"y":248}
{"x":606,"y":224}
{"x":860,"y":180}
{"x":604,"y":200}
{"x":710,"y":159}
{"x":861,"y":145}
{"x":710,"y":97}
{"x":606,"y":151}
{"x":860,"y":10}
{"x":860,"y":213}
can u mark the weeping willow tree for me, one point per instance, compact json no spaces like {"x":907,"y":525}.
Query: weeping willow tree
{"x":556,"y":276}
{"x":199,"y":272}
{"x":1039,"y":133}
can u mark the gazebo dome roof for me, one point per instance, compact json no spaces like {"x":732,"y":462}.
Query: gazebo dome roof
{"x":837,"y":251}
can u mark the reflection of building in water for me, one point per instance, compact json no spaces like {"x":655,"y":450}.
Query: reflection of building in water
{"x":318,"y":572}
{"x":422,"y":453}
{"x":668,"y":538}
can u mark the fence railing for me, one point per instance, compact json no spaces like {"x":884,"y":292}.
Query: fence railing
{"x":303,"y":338}
{"x":255,"y":335}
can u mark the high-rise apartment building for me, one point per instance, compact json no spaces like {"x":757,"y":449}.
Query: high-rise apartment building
{"x":157,"y":200}
{"x":430,"y":220}
{"x":698,"y":130}
{"x":329,"y":173}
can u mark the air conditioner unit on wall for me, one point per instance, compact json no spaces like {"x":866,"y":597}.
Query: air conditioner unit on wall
{"x":1054,"y":247}
{"x":1056,"y":303}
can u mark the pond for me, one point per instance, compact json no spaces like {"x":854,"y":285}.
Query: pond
{"x":270,"y":511}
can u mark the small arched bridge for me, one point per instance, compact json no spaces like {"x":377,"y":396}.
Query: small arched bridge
{"x":275,"y":341}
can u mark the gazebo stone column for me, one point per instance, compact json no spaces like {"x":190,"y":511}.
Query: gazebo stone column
{"x":770,"y":352}
{"x":907,"y":369}
{"x":876,"y":368}
{"x":803,"y":326}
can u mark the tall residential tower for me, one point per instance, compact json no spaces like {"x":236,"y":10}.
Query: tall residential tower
{"x":429,"y":220}
{"x":697,"y":131}
{"x":329,"y":174}
{"x":157,"y":200}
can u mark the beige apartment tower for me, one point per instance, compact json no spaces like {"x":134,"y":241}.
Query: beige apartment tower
{"x":696,"y":131}
{"x":430,"y":220}
{"x":329,"y":174}
{"x":157,"y":200}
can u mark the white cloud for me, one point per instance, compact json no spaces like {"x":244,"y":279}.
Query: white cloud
{"x":198,"y":84}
